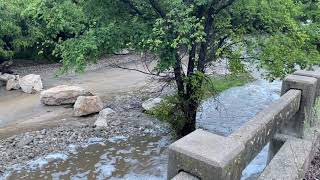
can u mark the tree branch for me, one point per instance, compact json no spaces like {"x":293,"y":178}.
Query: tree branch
{"x":224,"y":6}
{"x":133,"y":7}
{"x":137,"y":70}
{"x":156,"y":7}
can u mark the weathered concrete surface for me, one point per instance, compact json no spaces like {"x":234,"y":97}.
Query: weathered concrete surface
{"x":225,"y":157}
{"x":257,"y":132}
{"x":290,"y":162}
{"x":295,"y":126}
{"x":204,"y":155}
{"x":314,"y":74}
{"x":184,"y":176}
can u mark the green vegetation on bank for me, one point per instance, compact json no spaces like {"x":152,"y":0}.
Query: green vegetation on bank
{"x":170,"y":111}
{"x":276,"y":35}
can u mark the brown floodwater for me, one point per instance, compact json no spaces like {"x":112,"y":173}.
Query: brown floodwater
{"x":120,"y":157}
{"x":141,"y":157}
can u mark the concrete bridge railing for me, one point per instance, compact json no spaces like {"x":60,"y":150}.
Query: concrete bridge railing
{"x":204,"y":155}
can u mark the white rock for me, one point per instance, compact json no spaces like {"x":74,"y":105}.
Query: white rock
{"x":151,"y":103}
{"x":122,"y":52}
{"x":60,"y":95}
{"x":31,"y":83}
{"x":13,"y":84}
{"x":102,"y":120}
{"x":6,"y":77}
{"x":86,"y":105}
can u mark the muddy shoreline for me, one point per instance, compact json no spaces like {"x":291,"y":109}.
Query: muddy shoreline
{"x":128,"y":121}
{"x":32,"y":130}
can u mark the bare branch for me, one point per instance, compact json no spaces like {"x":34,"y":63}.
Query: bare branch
{"x":137,"y":70}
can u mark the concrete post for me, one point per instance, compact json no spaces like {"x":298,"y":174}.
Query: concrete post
{"x":296,"y":125}
{"x":308,"y":86}
{"x":205,"y":155}
{"x":314,"y":74}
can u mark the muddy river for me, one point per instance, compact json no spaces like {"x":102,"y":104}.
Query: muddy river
{"x":140,"y":157}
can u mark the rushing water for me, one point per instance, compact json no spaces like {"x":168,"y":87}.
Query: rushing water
{"x":119,"y":158}
{"x":145,"y":157}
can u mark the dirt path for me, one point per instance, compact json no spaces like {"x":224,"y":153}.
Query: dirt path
{"x":21,"y":112}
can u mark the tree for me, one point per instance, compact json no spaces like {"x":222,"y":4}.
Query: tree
{"x":269,"y":33}
{"x":276,"y":35}
{"x":13,"y":30}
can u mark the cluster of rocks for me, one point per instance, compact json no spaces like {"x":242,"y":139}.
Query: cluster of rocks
{"x":29,"y":84}
{"x":128,"y":121}
{"x":85,"y":103}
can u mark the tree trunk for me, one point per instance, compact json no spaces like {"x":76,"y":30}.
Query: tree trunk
{"x":190,"y":106}
{"x":190,"y":115}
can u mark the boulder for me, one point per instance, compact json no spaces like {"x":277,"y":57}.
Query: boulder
{"x":13,"y":84}
{"x":31,"y":83}
{"x":102,"y":120}
{"x":5,"y":77}
{"x":61,"y":95}
{"x":122,"y":52}
{"x":151,"y":103}
{"x":86,"y":105}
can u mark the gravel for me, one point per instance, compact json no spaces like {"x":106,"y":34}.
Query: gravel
{"x":314,"y":170}
{"x":129,"y":120}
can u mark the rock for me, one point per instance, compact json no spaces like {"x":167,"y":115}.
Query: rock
{"x":5,"y":77}
{"x":102,"y":120}
{"x":25,"y":141}
{"x":122,"y":52}
{"x":151,"y":103}
{"x":43,"y":132}
{"x":86,"y":105}
{"x":31,"y":83}
{"x":62,"y":95}
{"x":13,"y":84}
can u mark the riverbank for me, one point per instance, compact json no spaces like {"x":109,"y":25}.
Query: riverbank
{"x":128,"y":121}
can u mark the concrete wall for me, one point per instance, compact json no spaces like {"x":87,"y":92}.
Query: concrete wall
{"x":204,"y":155}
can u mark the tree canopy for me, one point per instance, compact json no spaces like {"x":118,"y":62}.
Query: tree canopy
{"x":277,"y":36}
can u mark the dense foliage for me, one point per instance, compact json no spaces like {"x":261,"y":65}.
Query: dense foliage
{"x":278,"y":36}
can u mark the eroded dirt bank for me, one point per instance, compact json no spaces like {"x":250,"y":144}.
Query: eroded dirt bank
{"x":30,"y":130}
{"x":22,"y":112}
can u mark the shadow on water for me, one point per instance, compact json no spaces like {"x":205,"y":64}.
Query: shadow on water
{"x":145,"y":157}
